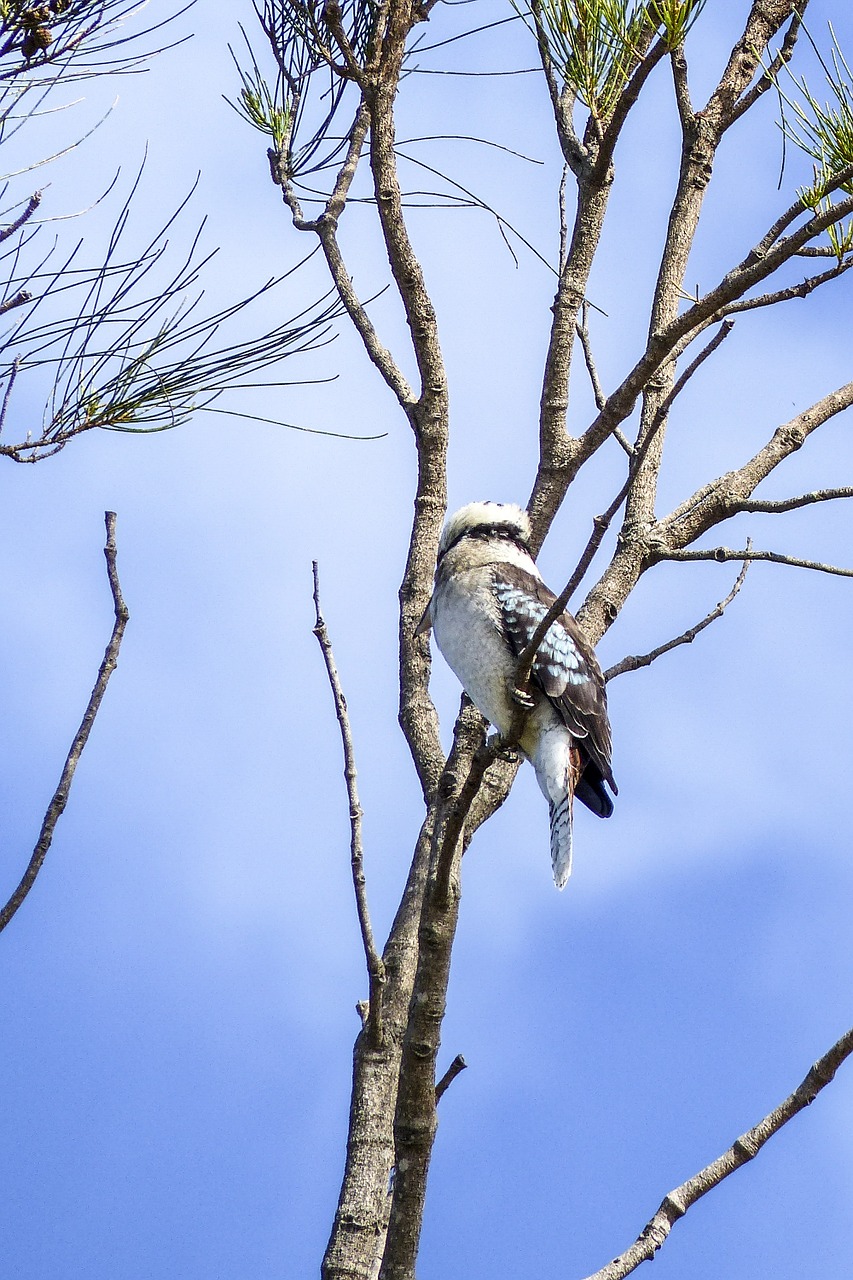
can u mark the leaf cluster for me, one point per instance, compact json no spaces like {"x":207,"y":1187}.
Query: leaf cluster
{"x":596,"y":44}
{"x":300,"y":36}
{"x":824,"y":130}
{"x":267,"y":109}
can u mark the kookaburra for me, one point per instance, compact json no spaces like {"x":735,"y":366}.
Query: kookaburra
{"x":489,"y":598}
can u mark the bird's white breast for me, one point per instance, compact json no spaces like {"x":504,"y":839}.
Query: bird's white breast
{"x":466,"y":625}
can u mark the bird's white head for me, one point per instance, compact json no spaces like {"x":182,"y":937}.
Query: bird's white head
{"x":486,"y":520}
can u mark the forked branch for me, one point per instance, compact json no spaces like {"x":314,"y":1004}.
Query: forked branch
{"x":635,"y":662}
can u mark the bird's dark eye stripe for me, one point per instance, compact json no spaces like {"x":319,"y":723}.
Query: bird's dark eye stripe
{"x":484,"y":532}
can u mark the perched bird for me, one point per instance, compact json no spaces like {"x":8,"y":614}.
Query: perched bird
{"x":488,"y":600}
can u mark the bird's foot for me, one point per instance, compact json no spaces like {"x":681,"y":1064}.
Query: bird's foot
{"x":494,"y":743}
{"x":521,"y":697}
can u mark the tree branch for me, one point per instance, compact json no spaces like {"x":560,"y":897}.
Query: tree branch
{"x":333,"y":19}
{"x":457,"y":1066}
{"x":375,"y":967}
{"x":768,"y":79}
{"x":594,"y":172}
{"x":801,"y":290}
{"x":771,"y":507}
{"x":722,"y":497}
{"x":646,"y":61}
{"x":755,"y":267}
{"x":574,"y":152}
{"x":727,"y":103}
{"x":415,"y":1119}
{"x":582,"y":330}
{"x":602,"y":522}
{"x":32,"y":204}
{"x":325,"y":228}
{"x":722,"y":554}
{"x":744,"y":1149}
{"x":60,"y":795}
{"x":634,"y":663}
{"x":427,"y":408}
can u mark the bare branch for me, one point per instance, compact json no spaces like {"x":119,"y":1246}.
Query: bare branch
{"x":801,"y":290}
{"x":457,"y":1066}
{"x":325,"y":228}
{"x":687,"y":637}
{"x":20,"y":299}
{"x":754,"y":268}
{"x":599,"y":396}
{"x":379,"y":354}
{"x":564,"y":224}
{"x":678,"y":62}
{"x":744,"y":1149}
{"x":375,"y":967}
{"x":60,"y":795}
{"x":575,"y":153}
{"x":428,"y":415}
{"x":721,"y":498}
{"x":817,"y":251}
{"x":702,"y":132}
{"x":647,"y":60}
{"x":770,"y":507}
{"x":32,"y":204}
{"x":582,"y":330}
{"x":768,"y":79}
{"x":721,"y":554}
{"x":766,"y":17}
{"x":333,"y":19}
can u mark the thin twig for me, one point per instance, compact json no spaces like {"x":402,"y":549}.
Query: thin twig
{"x":60,"y":795}
{"x":375,"y":967}
{"x":21,"y":298}
{"x":744,"y":1149}
{"x":32,"y":204}
{"x":7,"y":395}
{"x":457,"y":1066}
{"x":757,"y":506}
{"x":634,"y":663}
{"x":721,"y":554}
{"x":564,"y":226}
{"x":582,"y":330}
{"x":801,"y":290}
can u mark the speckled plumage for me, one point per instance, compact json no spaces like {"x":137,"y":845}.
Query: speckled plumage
{"x":489,"y":598}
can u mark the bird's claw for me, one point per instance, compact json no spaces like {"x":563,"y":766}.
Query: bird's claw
{"x":521,"y":697}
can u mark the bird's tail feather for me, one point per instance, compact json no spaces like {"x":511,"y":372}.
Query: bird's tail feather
{"x":561,"y":839}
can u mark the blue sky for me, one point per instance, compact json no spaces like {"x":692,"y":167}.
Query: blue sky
{"x":178,"y":991}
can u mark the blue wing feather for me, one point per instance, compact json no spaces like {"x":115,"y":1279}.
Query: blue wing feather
{"x":566,"y":670}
